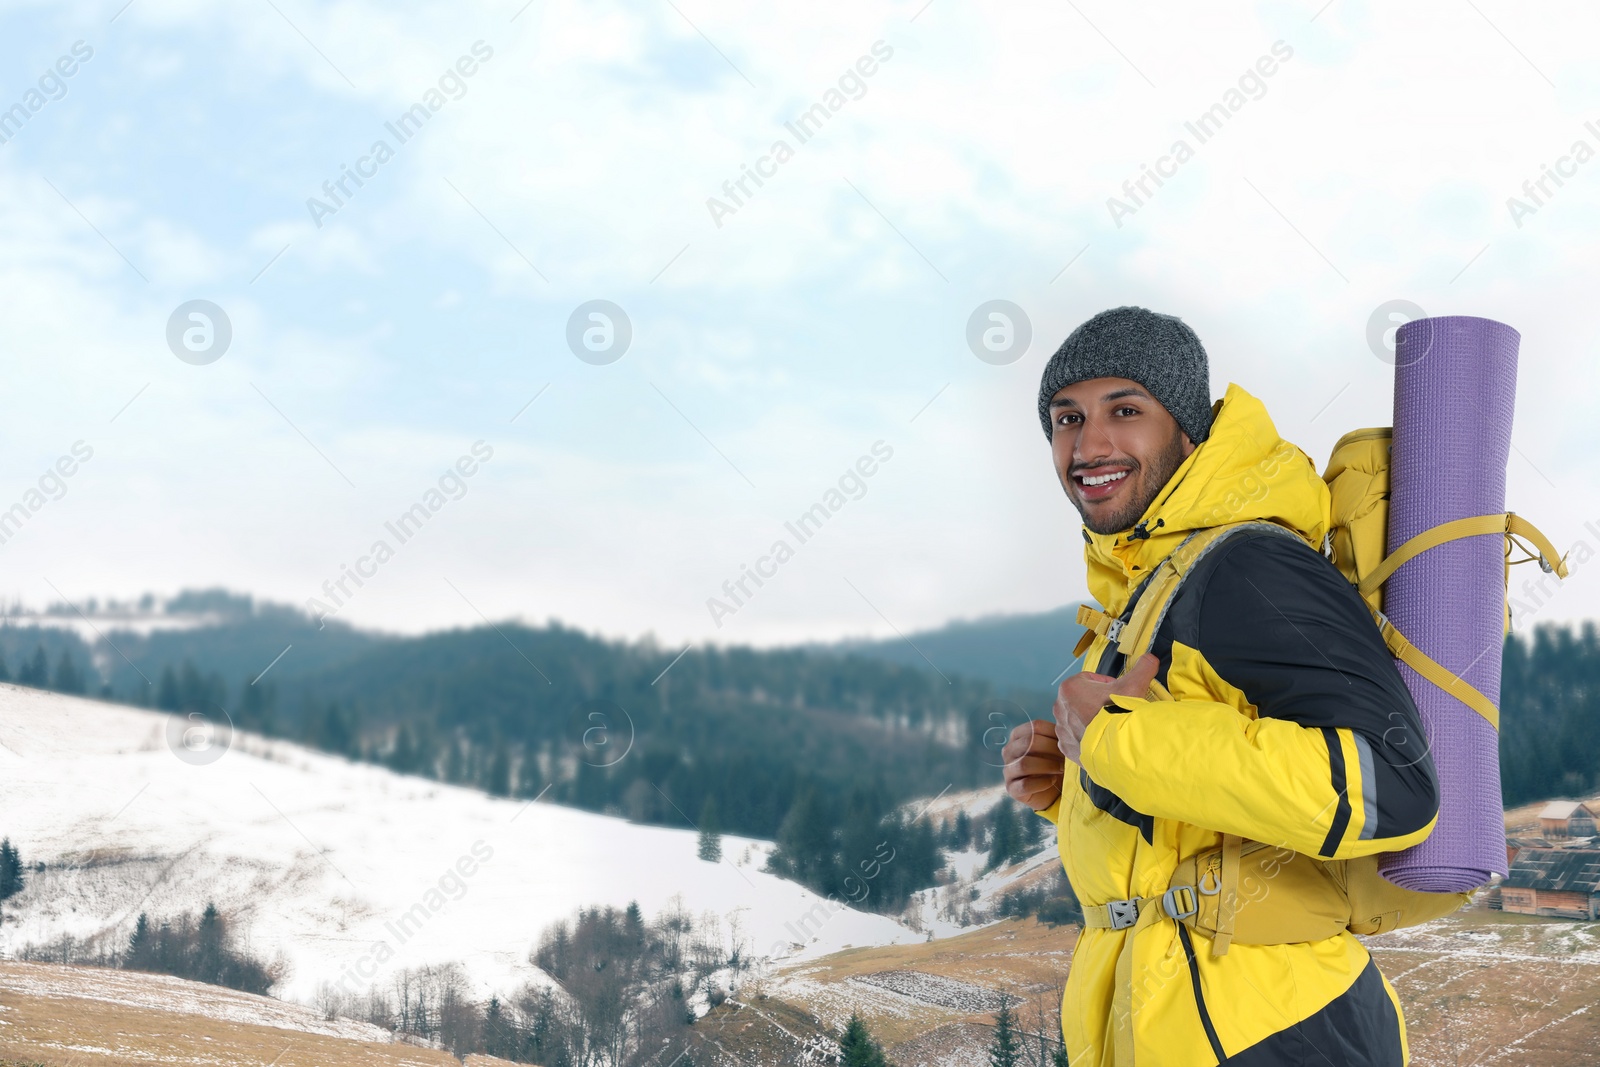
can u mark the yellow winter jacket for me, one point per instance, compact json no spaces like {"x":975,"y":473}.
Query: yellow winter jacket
{"x":1289,"y":724}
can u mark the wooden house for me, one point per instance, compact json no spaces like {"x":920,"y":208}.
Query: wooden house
{"x":1566,"y":818}
{"x":1562,"y":882}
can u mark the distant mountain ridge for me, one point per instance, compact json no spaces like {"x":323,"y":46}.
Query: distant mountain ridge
{"x":1010,"y":651}
{"x":1549,"y":682}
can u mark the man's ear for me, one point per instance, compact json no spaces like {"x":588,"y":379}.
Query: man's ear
{"x":1188,"y":445}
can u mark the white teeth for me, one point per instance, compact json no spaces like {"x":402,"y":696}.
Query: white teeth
{"x":1104,"y":478}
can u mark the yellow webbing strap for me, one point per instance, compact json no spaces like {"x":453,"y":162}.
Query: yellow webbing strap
{"x":1122,"y":1005}
{"x":1425,"y":665}
{"x":1098,"y":916}
{"x":1228,"y":886}
{"x":1506,"y":522}
{"x":1097,"y":623}
{"x":1179,"y":903}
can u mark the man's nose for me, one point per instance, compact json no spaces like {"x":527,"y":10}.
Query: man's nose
{"x":1093,"y":441}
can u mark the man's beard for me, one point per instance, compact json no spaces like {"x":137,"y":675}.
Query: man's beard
{"x":1165,"y":464}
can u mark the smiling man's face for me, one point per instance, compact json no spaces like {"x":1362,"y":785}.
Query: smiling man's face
{"x":1114,"y":448}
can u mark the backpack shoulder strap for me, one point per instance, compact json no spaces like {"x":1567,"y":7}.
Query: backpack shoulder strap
{"x":1135,"y":633}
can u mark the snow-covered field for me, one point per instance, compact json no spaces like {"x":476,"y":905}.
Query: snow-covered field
{"x":160,"y":992}
{"x":348,"y":870}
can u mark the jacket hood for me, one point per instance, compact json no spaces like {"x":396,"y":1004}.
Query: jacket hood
{"x":1243,"y":471}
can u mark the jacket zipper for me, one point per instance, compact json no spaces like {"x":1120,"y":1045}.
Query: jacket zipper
{"x":1199,"y":997}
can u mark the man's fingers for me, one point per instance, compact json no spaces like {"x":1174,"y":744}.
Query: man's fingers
{"x":1136,"y":681}
{"x":1034,"y":784}
{"x":1035,"y":737}
{"x":1040,"y":763}
{"x":1036,"y":793}
{"x":1033,"y":727}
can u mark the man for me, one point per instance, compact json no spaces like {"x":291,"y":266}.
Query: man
{"x":1288,"y":721}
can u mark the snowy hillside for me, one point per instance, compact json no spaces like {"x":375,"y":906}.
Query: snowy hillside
{"x":348,"y":870}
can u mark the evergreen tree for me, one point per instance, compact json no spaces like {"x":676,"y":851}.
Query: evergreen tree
{"x":1004,"y":1050}
{"x":633,"y":926}
{"x":67,"y":680}
{"x":1058,"y":1058}
{"x":336,"y":734}
{"x":256,"y":704}
{"x":210,"y":948}
{"x":499,"y":1032}
{"x":404,"y":756}
{"x":141,"y":954}
{"x":167,"y":698}
{"x":499,"y":783}
{"x":35,"y":671}
{"x":1032,"y":829}
{"x":805,"y":844}
{"x":710,"y":833}
{"x":5,"y":674}
{"x":856,"y":1047}
{"x":193,"y":693}
{"x":963,"y":832}
{"x":1004,"y":838}
{"x":11,"y":876}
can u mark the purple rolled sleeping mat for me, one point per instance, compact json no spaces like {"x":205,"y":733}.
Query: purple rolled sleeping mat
{"x":1454,"y":392}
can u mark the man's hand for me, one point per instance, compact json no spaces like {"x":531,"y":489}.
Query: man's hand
{"x":1081,"y":697}
{"x":1034,"y":764}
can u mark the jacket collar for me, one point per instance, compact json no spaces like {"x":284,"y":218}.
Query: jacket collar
{"x":1242,"y":471}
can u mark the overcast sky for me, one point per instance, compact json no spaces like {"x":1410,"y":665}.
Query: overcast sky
{"x":569,"y":153}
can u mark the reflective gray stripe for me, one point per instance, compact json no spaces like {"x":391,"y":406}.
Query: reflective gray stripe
{"x":1369,"y":788}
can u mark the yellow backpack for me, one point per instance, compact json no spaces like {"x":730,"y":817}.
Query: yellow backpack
{"x":1227,"y":892}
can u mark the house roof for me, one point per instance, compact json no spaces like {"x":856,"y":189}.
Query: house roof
{"x":1564,"y":809}
{"x":1572,"y":870}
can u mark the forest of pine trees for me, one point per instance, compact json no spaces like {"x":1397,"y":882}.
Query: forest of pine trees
{"x":814,"y":751}
{"x":714,"y":734}
{"x":846,"y":851}
{"x":1549,"y":700}
{"x":201,"y":950}
{"x":448,"y":706}
{"x":34,"y":671}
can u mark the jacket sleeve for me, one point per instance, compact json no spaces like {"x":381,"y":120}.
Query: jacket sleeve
{"x":1334,"y":765}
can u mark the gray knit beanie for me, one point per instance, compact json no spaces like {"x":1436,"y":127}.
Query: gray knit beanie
{"x":1157,"y":351}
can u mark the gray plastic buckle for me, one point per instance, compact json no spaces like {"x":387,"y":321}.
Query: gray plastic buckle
{"x":1169,"y":905}
{"x":1113,"y":628}
{"x":1123,"y":913}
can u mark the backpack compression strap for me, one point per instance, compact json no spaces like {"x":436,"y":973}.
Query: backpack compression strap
{"x":1508,"y":523}
{"x":1512,"y":526}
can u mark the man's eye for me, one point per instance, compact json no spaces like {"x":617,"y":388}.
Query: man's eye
{"x":1127,"y":408}
{"x":1066,"y":416}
